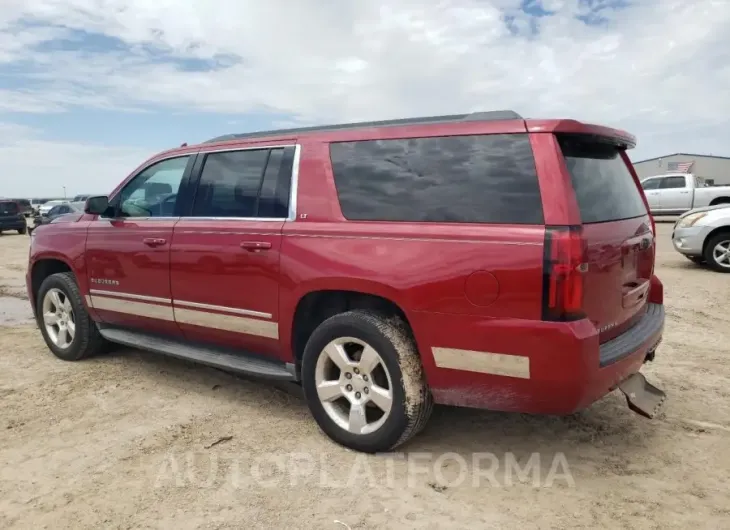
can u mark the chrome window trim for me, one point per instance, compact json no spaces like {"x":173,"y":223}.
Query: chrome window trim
{"x":250,"y":219}
{"x":136,"y":218}
{"x":197,"y":305}
{"x":293,"y":190}
{"x":204,"y":151}
{"x":294,"y":184}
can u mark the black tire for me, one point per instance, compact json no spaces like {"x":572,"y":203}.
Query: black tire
{"x":23,"y":230}
{"x":87,"y":340}
{"x":709,"y":248}
{"x":412,"y":400}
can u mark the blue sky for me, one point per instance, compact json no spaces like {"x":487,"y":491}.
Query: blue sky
{"x":90,"y":88}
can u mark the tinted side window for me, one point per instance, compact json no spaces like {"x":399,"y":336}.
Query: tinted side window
{"x":603,"y":184}
{"x":650,"y":184}
{"x":461,"y":179}
{"x":672,"y":183}
{"x":153,"y":192}
{"x":242,"y":184}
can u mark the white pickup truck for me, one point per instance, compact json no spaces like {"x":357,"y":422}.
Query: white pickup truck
{"x":677,"y":193}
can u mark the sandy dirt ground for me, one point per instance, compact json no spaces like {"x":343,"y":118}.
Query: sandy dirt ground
{"x":134,"y":440}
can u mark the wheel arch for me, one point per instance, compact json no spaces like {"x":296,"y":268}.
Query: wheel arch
{"x":313,"y":306}
{"x":44,"y":267}
{"x":725,"y":229}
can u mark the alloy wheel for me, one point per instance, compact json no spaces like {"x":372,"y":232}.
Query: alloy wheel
{"x":721,"y":254}
{"x":353,"y":385}
{"x":58,"y":318}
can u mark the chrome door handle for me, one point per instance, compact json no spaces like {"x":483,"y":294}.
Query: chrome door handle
{"x":255,"y":246}
{"x":154,"y":241}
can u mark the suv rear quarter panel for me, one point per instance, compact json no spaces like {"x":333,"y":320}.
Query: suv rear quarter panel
{"x":427,"y":269}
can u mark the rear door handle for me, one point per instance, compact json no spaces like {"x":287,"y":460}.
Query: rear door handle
{"x":254,"y":246}
{"x":154,"y":241}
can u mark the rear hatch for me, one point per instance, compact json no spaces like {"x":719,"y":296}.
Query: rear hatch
{"x":617,"y":234}
{"x":9,"y":211}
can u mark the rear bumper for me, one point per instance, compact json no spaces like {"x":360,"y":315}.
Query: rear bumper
{"x":651,"y":325}
{"x":567,"y":369}
{"x":13,"y":224}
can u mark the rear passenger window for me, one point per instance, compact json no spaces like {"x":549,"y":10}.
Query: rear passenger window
{"x":672,"y":183}
{"x":246,"y":183}
{"x":459,"y":179}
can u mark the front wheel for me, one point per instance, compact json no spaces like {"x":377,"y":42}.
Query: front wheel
{"x":23,"y":230}
{"x":67,"y":328}
{"x":364,"y":383}
{"x":717,"y":252}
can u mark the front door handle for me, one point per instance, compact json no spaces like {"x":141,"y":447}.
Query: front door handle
{"x":154,"y":241}
{"x":255,"y":246}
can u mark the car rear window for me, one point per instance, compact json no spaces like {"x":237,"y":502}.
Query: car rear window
{"x":603,"y":185}
{"x":455,"y":179}
{"x":8,"y":208}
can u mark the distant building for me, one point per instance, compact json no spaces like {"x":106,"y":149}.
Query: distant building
{"x":710,"y":167}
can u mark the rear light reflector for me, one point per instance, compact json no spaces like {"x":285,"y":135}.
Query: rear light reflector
{"x":564,"y":266}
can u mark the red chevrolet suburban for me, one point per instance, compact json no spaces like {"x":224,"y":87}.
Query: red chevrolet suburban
{"x":480,"y":260}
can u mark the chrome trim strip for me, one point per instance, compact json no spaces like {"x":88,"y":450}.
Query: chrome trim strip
{"x":236,"y":324}
{"x":130,"y":296}
{"x":246,"y":312}
{"x":142,"y":309}
{"x":293,"y":191}
{"x":204,"y":151}
{"x":482,"y":362}
{"x":229,"y":232}
{"x":249,"y":219}
{"x":109,"y":219}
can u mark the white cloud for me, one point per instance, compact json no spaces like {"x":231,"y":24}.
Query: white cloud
{"x":660,"y":69}
{"x":81,"y":168}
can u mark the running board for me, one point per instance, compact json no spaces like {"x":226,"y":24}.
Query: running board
{"x":223,"y":359}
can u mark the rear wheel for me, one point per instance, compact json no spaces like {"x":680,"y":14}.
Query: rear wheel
{"x":364,"y":383}
{"x":717,"y":252}
{"x":67,"y":328}
{"x":23,"y":230}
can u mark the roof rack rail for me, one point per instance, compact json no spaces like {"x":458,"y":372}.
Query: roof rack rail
{"x":495,"y":115}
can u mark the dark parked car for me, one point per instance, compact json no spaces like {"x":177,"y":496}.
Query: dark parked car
{"x":26,"y":208}
{"x":56,"y":211}
{"x":12,"y":217}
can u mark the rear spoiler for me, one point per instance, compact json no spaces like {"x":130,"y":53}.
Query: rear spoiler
{"x":615,"y":136}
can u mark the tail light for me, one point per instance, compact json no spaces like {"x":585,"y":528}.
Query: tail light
{"x":563,"y":268}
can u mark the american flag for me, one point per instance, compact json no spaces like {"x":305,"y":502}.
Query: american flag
{"x":680,"y":167}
